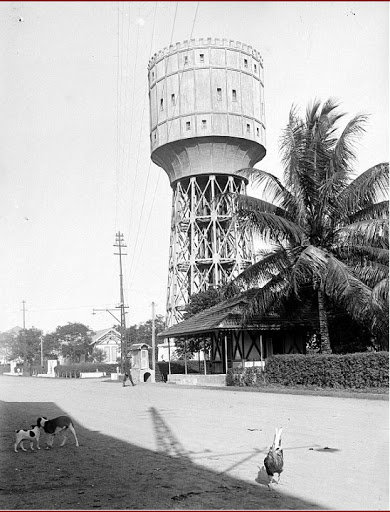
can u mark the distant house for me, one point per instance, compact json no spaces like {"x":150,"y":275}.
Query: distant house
{"x":108,"y":341}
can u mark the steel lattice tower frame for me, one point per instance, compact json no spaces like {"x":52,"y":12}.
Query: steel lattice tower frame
{"x":206,"y":122}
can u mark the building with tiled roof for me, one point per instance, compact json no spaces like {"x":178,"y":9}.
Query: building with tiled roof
{"x":236,"y":341}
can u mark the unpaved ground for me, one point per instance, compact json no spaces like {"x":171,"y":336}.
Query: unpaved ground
{"x":167,"y":447}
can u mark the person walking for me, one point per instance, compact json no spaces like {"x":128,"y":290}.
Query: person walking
{"x":127,"y":372}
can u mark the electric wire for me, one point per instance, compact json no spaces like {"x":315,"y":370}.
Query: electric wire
{"x":126,"y":87}
{"x":117,"y":127}
{"x":132,"y":190}
{"x":155,"y":191}
{"x":150,"y":163}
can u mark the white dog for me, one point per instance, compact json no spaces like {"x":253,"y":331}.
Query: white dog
{"x":22,"y":435}
{"x":56,"y":425}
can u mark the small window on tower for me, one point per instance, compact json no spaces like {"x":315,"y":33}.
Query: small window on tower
{"x":245,"y":63}
{"x":185,"y":60}
{"x":219,"y":94}
{"x":234,"y":95}
{"x":155,"y":135}
{"x":161,"y":104}
{"x":255,"y":68}
{"x":204,"y":124}
{"x":188,"y":125}
{"x":201,"y":57}
{"x":152,"y":75}
{"x":248,"y":128}
{"x":258,"y":132}
{"x":173,"y":99}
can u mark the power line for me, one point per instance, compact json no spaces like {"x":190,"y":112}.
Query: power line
{"x":162,"y":93}
{"x":150,"y":163}
{"x":140,"y":131}
{"x":117,"y":123}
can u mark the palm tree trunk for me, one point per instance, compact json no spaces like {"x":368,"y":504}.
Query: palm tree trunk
{"x":324,"y":329}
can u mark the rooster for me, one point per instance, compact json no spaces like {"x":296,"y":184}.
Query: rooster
{"x":274,"y":460}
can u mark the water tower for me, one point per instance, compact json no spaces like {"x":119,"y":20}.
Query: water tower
{"x":206,"y":123}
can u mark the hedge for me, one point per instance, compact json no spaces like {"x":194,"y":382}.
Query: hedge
{"x":74,"y":370}
{"x":345,"y":371}
{"x":5,"y":368}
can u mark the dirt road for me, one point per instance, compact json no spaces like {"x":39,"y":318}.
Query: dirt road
{"x":163,"y":446}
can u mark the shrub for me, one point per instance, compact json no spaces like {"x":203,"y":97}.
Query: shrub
{"x":5,"y":368}
{"x":346,"y":371}
{"x":252,"y":376}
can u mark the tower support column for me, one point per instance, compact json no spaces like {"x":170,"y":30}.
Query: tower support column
{"x":207,"y":247}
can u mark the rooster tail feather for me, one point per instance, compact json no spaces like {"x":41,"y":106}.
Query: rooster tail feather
{"x":277,"y":438}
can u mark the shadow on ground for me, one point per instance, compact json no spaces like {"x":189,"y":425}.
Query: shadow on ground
{"x":107,"y":473}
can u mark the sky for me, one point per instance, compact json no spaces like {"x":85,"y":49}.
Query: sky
{"x":75,"y":162}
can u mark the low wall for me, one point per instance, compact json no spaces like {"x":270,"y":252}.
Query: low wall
{"x":91,"y":375}
{"x":195,"y":379}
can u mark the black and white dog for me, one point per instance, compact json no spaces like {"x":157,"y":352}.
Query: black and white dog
{"x":22,"y":435}
{"x":56,"y":425}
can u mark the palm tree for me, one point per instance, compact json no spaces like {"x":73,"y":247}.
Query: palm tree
{"x":326,"y":231}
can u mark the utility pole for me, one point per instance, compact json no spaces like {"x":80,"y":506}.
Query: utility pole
{"x":24,"y":314}
{"x":119,"y":243}
{"x":42,"y":351}
{"x":153,"y":337}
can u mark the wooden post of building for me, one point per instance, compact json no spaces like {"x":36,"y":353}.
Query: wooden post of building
{"x":204,"y":355}
{"x":226,"y":358}
{"x":185,"y":356}
{"x":261,"y":348}
{"x":243,"y":348}
{"x":169,"y":357}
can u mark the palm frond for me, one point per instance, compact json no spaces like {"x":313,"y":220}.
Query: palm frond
{"x":272,"y":227}
{"x":275,"y":262}
{"x":369,"y":253}
{"x":345,"y":289}
{"x":370,"y":273}
{"x":344,"y":152}
{"x":269,"y":185}
{"x":374,"y":232}
{"x":327,"y":119}
{"x":370,"y":187}
{"x":380,"y":307}
{"x":312,"y":113}
{"x":270,"y":296}
{"x":373,"y":211}
{"x":310,"y":266}
{"x":298,"y":175}
{"x":258,"y":205}
{"x":380,"y":294}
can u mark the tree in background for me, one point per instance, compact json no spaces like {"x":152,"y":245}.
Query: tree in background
{"x":7,"y":341}
{"x":51,"y":346}
{"x":142,"y":333}
{"x":327,"y":231}
{"x":73,"y":341}
{"x":27,"y":346}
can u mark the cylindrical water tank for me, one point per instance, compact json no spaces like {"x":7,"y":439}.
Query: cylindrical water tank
{"x":206,"y":108}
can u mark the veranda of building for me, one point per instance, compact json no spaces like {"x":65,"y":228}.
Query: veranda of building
{"x":235,"y":343}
